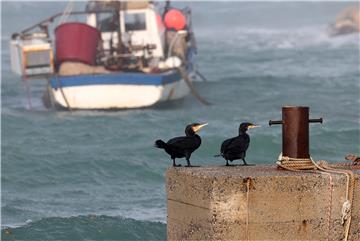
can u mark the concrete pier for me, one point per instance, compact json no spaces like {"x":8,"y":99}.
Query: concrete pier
{"x":258,"y":203}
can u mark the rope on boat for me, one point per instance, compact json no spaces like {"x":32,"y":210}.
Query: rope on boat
{"x":26,"y":86}
{"x":193,"y":90}
{"x":202,"y":77}
{"x":63,"y":94}
{"x":48,"y":97}
{"x":301,"y":164}
{"x":172,"y":44}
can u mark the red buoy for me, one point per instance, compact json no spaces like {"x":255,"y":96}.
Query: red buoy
{"x":175,"y":19}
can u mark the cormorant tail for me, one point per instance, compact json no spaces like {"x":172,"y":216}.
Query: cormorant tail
{"x":160,"y":144}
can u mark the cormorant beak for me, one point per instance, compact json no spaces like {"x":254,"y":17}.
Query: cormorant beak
{"x":198,"y":127}
{"x":253,"y":126}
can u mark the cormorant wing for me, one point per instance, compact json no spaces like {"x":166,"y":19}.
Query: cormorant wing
{"x":226,"y":144}
{"x":182,"y":142}
{"x":236,"y":145}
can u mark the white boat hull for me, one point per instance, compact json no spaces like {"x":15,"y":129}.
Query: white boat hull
{"x":118,"y":96}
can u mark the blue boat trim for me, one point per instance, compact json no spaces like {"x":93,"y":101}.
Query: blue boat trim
{"x":116,"y":78}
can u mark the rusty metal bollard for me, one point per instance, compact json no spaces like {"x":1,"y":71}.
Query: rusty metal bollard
{"x":295,"y":131}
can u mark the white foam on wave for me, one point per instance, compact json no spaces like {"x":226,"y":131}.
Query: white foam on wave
{"x":258,"y":39}
{"x":155,"y":214}
{"x":16,"y":225}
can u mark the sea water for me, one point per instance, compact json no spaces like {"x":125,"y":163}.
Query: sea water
{"x":95,"y":175}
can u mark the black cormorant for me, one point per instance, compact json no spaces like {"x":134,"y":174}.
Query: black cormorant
{"x":235,"y":148}
{"x":182,"y":146}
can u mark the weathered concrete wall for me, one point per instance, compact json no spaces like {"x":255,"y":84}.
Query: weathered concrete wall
{"x":213,"y":203}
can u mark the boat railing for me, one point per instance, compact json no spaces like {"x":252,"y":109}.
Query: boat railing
{"x":43,"y":25}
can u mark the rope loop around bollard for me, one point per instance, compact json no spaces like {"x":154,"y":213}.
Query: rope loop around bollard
{"x":295,"y":164}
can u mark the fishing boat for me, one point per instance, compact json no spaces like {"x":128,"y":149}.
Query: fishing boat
{"x":124,"y":55}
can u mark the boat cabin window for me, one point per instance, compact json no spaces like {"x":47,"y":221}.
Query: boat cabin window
{"x":107,"y":22}
{"x":135,"y":21}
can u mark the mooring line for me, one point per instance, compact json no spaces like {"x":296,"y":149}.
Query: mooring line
{"x":63,"y":94}
{"x":247,"y":204}
{"x":331,"y":185}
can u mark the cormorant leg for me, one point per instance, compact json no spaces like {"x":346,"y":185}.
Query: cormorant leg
{"x":188,"y":162}
{"x":174,"y":164}
{"x":227,"y":163}
{"x":187,"y":157}
{"x":245,"y":163}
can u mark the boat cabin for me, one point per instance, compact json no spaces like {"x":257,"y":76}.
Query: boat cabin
{"x":138,"y":24}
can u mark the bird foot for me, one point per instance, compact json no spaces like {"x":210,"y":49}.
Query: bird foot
{"x":245,"y":164}
{"x":191,"y":166}
{"x":177,"y":165}
{"x":228,"y":165}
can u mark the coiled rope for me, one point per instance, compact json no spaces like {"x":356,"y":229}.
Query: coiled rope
{"x":303,"y":164}
{"x":295,"y":164}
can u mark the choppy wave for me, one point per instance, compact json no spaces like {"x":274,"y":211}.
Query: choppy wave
{"x":89,"y":227}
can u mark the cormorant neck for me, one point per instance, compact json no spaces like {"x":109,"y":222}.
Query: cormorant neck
{"x":189,"y":132}
{"x":241,"y":132}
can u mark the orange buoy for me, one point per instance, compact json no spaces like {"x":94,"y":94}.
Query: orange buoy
{"x":175,"y":19}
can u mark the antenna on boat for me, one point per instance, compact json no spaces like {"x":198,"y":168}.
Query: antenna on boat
{"x":166,"y":9}
{"x":67,"y":11}
{"x":119,"y":7}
